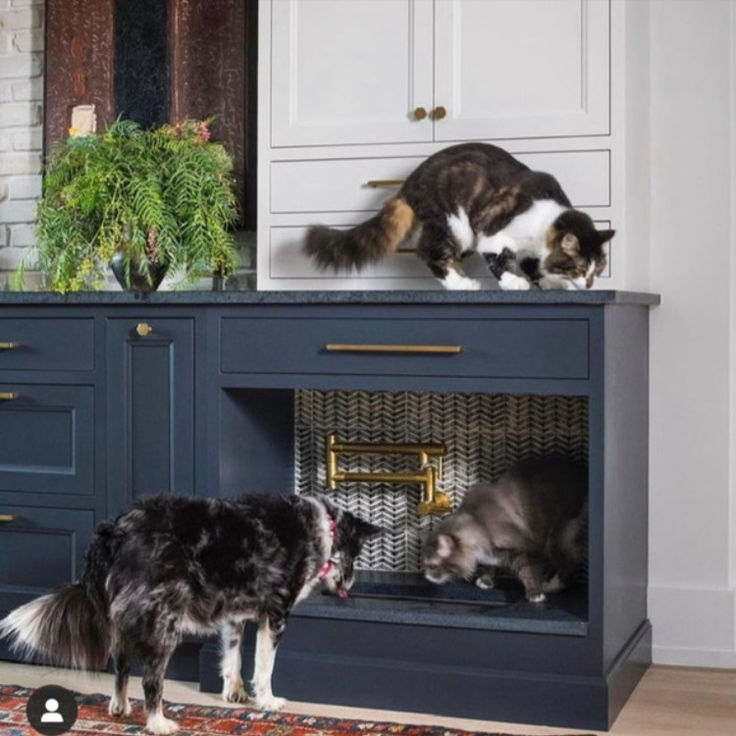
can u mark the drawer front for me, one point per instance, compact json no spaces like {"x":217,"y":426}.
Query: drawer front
{"x":40,"y":549}
{"x":47,"y":344}
{"x":342,"y":185}
{"x":46,"y":439}
{"x":493,"y":348}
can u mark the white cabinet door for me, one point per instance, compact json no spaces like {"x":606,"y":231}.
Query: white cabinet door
{"x":348,"y":72}
{"x":521,"y":68}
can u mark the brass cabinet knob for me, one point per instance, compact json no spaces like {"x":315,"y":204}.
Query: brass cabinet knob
{"x":7,"y":518}
{"x":420,"y":113}
{"x":143,"y":329}
{"x":439,"y":112}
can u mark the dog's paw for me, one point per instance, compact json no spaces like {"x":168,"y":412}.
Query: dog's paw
{"x":117,"y":708}
{"x":158,"y":723}
{"x":235,"y":693}
{"x":269,"y":702}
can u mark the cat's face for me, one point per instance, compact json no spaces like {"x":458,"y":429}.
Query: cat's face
{"x":445,"y":557}
{"x":576,"y":251}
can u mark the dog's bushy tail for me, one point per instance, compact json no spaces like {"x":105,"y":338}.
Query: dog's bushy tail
{"x":369,"y":242}
{"x":70,"y":626}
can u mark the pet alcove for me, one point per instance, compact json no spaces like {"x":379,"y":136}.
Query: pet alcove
{"x":481,"y":436}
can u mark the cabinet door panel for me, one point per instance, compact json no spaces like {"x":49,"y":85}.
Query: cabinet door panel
{"x":521,"y":68}
{"x":47,"y":439}
{"x":40,"y":549}
{"x":150,"y":408}
{"x":348,"y":72}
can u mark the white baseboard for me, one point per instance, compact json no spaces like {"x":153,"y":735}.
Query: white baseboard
{"x":694,"y":657}
{"x":694,"y":627}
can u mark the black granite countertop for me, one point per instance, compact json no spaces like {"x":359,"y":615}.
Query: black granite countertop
{"x":535,"y":297}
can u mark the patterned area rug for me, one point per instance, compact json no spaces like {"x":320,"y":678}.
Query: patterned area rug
{"x":197,"y":720}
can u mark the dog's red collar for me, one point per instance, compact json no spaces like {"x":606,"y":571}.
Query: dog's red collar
{"x":329,"y":563}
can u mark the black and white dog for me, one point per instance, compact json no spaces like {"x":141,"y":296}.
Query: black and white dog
{"x":172,"y":565}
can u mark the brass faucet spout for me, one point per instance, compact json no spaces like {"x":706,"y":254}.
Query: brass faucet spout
{"x":433,"y":501}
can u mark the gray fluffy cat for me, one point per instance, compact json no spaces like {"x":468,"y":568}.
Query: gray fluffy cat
{"x":532,"y":521}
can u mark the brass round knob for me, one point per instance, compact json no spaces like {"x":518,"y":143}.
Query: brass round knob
{"x":420,"y":113}
{"x":439,"y":112}
{"x":143,"y":329}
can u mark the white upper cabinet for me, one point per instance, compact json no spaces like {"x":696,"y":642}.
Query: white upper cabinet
{"x":350,"y":72}
{"x":521,"y":68}
{"x":346,"y":72}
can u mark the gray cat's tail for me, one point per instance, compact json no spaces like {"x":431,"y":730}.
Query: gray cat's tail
{"x":369,"y":242}
{"x":69,"y":627}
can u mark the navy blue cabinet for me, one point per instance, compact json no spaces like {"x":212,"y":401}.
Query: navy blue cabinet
{"x":104,"y":398}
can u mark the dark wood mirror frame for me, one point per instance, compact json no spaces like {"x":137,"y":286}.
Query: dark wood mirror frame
{"x":210,"y":51}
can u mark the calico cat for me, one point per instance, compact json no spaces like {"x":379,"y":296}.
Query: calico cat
{"x":532,"y":521}
{"x":475,"y":197}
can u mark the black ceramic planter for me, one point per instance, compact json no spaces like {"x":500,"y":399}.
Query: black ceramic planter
{"x":138,"y":278}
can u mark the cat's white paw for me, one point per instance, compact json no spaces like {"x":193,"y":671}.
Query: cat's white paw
{"x":235,"y":692}
{"x":269,"y":702}
{"x":158,"y":723}
{"x":537,"y":598}
{"x":455,"y":282}
{"x":512,"y":282}
{"x":485,"y":584}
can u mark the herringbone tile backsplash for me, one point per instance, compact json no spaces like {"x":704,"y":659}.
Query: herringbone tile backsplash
{"x":483,"y":433}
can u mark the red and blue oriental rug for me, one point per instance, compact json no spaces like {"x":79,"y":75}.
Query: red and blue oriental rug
{"x":197,"y":720}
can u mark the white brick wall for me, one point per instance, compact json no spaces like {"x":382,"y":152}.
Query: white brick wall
{"x":21,"y":128}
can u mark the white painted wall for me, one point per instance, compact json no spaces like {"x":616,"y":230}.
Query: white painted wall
{"x":691,"y":263}
{"x":21,"y":97}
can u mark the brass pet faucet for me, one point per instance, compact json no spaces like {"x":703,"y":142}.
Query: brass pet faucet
{"x":433,"y":501}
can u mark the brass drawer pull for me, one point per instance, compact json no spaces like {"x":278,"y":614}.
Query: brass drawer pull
{"x":143,"y":329}
{"x":438,"y":113}
{"x":384,"y":183}
{"x":7,"y":518}
{"x":368,"y":348}
{"x":420,"y":113}
{"x":8,"y":395}
{"x":9,"y":345}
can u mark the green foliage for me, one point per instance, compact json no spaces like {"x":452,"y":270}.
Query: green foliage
{"x":159,"y":196}
{"x":17,"y":279}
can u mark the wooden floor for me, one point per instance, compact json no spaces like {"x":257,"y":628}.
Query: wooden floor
{"x":670,"y":701}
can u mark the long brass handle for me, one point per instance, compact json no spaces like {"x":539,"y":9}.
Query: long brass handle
{"x":384,"y":183}
{"x":419,"y":113}
{"x":438,"y":113}
{"x":143,"y":329}
{"x":9,"y":345}
{"x":369,"y":348}
{"x":8,"y":395}
{"x":7,"y":518}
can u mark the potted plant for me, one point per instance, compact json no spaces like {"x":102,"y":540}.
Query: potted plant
{"x":144,"y":201}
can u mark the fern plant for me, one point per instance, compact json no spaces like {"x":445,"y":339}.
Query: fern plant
{"x":161,"y":197}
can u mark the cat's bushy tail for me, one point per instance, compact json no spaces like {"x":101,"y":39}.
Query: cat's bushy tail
{"x":70,"y":626}
{"x":369,"y":242}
